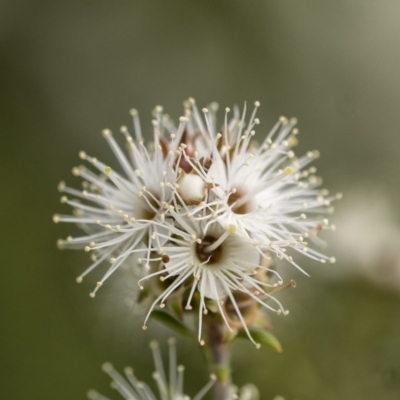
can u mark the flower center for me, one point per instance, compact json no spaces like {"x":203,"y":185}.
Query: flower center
{"x":241,"y":201}
{"x":206,"y":251}
{"x":143,"y":212}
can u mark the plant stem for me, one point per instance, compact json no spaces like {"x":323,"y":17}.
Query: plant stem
{"x":219,"y":358}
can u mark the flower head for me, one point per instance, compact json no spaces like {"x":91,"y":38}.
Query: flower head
{"x":117,"y":211}
{"x":264,"y":189}
{"x":203,"y":209}
{"x":170,"y":388}
{"x":217,"y":262}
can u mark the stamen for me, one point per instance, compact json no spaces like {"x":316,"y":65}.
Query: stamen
{"x":229,"y":230}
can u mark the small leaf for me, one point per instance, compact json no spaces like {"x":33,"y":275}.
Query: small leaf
{"x":172,"y":323}
{"x":263,"y":337}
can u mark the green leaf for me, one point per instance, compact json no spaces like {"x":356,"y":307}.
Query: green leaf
{"x":262,"y":336}
{"x":172,"y":323}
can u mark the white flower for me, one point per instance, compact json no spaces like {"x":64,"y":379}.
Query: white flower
{"x":203,"y":209}
{"x":118,"y":211}
{"x":264,"y":190}
{"x":131,"y":388}
{"x":218,"y":263}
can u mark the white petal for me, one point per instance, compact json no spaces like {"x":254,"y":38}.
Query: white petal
{"x":213,"y":288}
{"x":240,"y":251}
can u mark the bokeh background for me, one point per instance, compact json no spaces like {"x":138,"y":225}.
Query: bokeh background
{"x":71,"y":68}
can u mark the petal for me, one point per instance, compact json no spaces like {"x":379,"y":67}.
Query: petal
{"x":240,"y":251}
{"x":213,"y":288}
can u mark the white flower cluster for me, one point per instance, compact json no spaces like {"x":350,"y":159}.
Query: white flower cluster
{"x":202,"y":209}
{"x":131,"y":388}
{"x":170,"y":386}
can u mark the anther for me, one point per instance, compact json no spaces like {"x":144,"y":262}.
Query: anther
{"x":61,"y":186}
{"x":107,"y":367}
{"x":288,"y":171}
{"x":282,"y":119}
{"x":76,"y":171}
{"x":128,"y":370}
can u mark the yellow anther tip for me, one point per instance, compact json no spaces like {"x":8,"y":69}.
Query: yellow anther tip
{"x":293,"y":141}
{"x":106,"y":132}
{"x":288,"y":171}
{"x":231,"y":228}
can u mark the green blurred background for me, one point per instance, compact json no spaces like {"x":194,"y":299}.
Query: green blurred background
{"x":71,"y":68}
